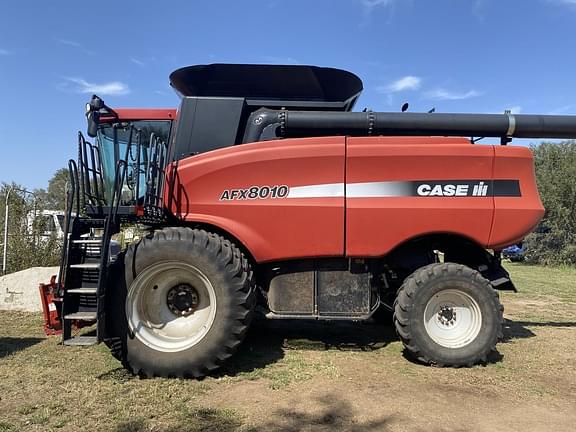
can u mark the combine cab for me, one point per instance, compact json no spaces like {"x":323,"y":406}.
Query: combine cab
{"x":265,"y":193}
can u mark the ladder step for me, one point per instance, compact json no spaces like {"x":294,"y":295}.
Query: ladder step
{"x":87,"y":266}
{"x":91,"y":222}
{"x":88,"y":241}
{"x":81,"y":341}
{"x":85,"y":316}
{"x":81,"y":291}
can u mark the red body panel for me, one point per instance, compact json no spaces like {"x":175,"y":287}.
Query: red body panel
{"x":374,"y":226}
{"x":143,"y":114}
{"x":274,"y":228}
{"x":330,"y":208}
{"x":515,"y":217}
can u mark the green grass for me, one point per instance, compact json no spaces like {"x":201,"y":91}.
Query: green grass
{"x":7,"y":427}
{"x":545,"y":281}
{"x":546,"y":293}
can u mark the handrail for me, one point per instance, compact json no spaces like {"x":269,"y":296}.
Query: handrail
{"x":72,"y":195}
{"x":91,"y":176}
{"x":155,"y":175}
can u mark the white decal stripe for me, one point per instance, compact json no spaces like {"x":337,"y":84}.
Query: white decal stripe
{"x":410,"y":188}
{"x":377,"y":189}
{"x":317,"y":191}
{"x":353,"y":190}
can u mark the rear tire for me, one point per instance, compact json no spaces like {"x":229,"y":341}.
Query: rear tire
{"x":189,"y":296}
{"x":448,"y":315}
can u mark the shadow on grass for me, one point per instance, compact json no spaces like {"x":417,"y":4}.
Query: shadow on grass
{"x":519,"y":329}
{"x":9,"y":345}
{"x":327,"y":413}
{"x":268,"y":339}
{"x":493,"y":357}
{"x":334,"y":414}
{"x":515,"y":330}
{"x":189,"y":420}
{"x":118,"y":375}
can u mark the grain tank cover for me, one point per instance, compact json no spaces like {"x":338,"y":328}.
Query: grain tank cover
{"x":271,"y":86}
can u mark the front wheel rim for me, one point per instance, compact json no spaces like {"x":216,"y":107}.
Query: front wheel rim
{"x":157,"y":320}
{"x":452,"y":318}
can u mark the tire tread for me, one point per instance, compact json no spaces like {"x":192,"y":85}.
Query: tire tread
{"x":405,"y":298}
{"x":237,"y":270}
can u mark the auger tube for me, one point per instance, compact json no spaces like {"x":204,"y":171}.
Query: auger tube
{"x":267,"y":124}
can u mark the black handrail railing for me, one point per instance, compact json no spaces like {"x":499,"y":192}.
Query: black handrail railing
{"x":72,"y":197}
{"x":110,"y":226}
{"x":155,"y":174}
{"x":92,"y":181}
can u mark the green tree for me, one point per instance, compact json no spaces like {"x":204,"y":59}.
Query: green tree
{"x":56,"y":192}
{"x":554,"y":241}
{"x":27,"y":246}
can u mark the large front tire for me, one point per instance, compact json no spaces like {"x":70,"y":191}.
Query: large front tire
{"x":448,"y":315}
{"x":189,"y":298}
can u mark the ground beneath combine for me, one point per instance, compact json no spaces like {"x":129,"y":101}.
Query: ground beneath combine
{"x":310,"y":376}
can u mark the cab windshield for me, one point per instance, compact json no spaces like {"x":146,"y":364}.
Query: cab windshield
{"x":129,"y":141}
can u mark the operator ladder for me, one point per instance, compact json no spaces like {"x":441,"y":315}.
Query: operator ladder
{"x":86,"y":262}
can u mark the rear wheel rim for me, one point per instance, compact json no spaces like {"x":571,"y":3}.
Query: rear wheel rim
{"x":452,"y":318}
{"x":171,"y":306}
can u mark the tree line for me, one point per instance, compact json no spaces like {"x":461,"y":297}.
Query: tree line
{"x":28,"y":245}
{"x":554,"y":240}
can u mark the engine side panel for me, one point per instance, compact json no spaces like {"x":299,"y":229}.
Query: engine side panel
{"x":385,"y":177}
{"x":266,"y":195}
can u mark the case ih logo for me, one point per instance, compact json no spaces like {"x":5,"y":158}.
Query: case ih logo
{"x":466,"y":188}
{"x":451,"y":189}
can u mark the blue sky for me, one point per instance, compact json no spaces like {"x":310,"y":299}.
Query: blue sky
{"x":455,"y":55}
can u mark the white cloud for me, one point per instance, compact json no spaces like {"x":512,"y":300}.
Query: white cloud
{"x":113,"y":88}
{"x":137,"y":62}
{"x":371,"y":4}
{"x":443,"y":94}
{"x":478,"y":9}
{"x":408,"y":82}
{"x":75,"y":44}
{"x":69,"y":43}
{"x":143,"y":61}
{"x":369,"y":7}
{"x":5,"y":52}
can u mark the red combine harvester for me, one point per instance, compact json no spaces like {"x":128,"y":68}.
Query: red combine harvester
{"x":265,"y":193}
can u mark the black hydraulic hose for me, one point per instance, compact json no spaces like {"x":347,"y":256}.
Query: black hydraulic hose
{"x":268,"y":124}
